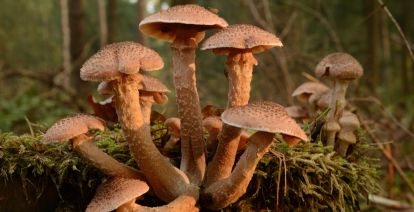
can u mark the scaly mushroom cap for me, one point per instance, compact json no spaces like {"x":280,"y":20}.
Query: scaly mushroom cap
{"x":72,"y":126}
{"x":304,"y":91}
{"x":153,"y":84}
{"x":340,"y":66}
{"x":163,"y":25}
{"x":263,"y":116}
{"x":115,"y":192}
{"x":241,"y":37}
{"x":124,"y":57}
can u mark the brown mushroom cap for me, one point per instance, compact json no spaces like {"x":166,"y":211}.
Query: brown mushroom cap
{"x":263,"y":116}
{"x":213,"y":123}
{"x":304,"y":91}
{"x":163,"y":25}
{"x":153,"y":84}
{"x":115,"y":192}
{"x":296,"y":112}
{"x":241,"y":37}
{"x":72,"y":126}
{"x":124,"y":57}
{"x":340,"y":66}
{"x":174,"y":125}
{"x":349,"y":120}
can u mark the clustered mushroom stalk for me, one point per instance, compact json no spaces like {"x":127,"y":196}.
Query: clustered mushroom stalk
{"x":167,"y":181}
{"x":183,"y":25}
{"x":192,"y":141}
{"x":238,"y":42}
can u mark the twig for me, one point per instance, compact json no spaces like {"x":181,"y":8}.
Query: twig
{"x":310,"y":77}
{"x":389,"y":14}
{"x":389,"y":203}
{"x":388,"y":156}
{"x":29,"y":124}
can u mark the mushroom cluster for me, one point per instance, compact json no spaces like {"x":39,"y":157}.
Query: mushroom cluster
{"x":340,"y":68}
{"x":212,"y":183}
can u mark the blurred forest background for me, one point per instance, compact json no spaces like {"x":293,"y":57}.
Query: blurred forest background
{"x":44,"y":43}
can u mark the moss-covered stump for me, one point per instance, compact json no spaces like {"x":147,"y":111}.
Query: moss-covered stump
{"x":307,"y":176}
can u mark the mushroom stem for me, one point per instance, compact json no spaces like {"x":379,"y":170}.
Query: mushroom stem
{"x":185,"y":202}
{"x":108,"y":165}
{"x":146,"y":104}
{"x":192,"y":142}
{"x":240,"y":71}
{"x":337,"y":106}
{"x":167,"y":181}
{"x":128,"y":206}
{"x":226,"y":191}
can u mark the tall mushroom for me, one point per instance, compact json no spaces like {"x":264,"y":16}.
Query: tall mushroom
{"x":341,"y":68}
{"x":120,"y":63}
{"x":239,"y":43}
{"x":75,"y":129}
{"x":267,"y":118}
{"x":183,"y":25}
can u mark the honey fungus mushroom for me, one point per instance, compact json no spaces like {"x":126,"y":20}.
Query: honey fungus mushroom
{"x":267,"y":118}
{"x":349,"y":122}
{"x":120,"y":194}
{"x":75,"y":129}
{"x":120,"y":64}
{"x":184,"y":27}
{"x":340,"y":68}
{"x":239,"y":43}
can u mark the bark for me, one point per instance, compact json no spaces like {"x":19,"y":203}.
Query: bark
{"x":108,"y":165}
{"x":64,"y":77}
{"x":167,"y":181}
{"x":373,"y":43}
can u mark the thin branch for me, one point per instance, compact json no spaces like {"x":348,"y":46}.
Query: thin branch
{"x":377,"y":141}
{"x":389,"y":14}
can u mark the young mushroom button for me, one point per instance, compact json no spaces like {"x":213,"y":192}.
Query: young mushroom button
{"x":341,"y":68}
{"x":267,"y":118}
{"x":238,"y":43}
{"x":183,"y":25}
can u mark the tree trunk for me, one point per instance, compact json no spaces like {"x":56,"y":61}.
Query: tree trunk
{"x":407,"y":66}
{"x":373,"y":42}
{"x":112,"y":20}
{"x":141,"y":14}
{"x":77,"y":44}
{"x":103,"y":26}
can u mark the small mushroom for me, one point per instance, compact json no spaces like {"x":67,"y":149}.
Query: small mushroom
{"x":117,"y":193}
{"x":120,"y":63}
{"x":239,"y":43}
{"x":309,"y":93}
{"x":183,"y":25}
{"x":267,"y":118}
{"x":349,"y":122}
{"x":341,"y":68}
{"x":75,"y":129}
{"x":174,"y":129}
{"x":213,"y":125}
{"x":299,"y":113}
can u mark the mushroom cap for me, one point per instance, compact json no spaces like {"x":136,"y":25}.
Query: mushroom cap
{"x":174,"y":125}
{"x":124,"y":57}
{"x":349,"y":120}
{"x":241,"y":37}
{"x":263,"y":116}
{"x":115,"y":192}
{"x":340,"y":66}
{"x":153,"y":84}
{"x":296,"y":112}
{"x":304,"y":91}
{"x":324,"y":100}
{"x":72,"y":126}
{"x":213,"y":123}
{"x":163,"y":25}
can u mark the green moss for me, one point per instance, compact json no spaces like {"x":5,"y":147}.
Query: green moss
{"x":316,"y":178}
